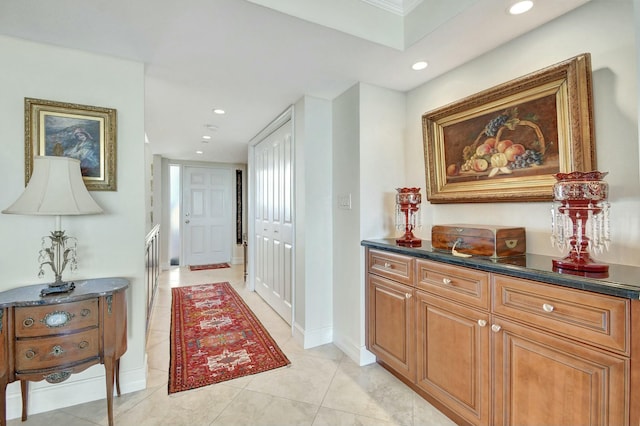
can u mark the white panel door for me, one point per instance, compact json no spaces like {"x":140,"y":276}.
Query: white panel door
{"x":207,"y":215}
{"x":273,"y":237}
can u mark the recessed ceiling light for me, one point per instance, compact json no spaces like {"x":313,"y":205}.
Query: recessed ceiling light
{"x":207,"y":137}
{"x":218,"y":111}
{"x":199,"y":152}
{"x":518,"y":7}
{"x":419,"y":65}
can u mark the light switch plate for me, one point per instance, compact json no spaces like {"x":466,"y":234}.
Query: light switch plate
{"x":344,"y":201}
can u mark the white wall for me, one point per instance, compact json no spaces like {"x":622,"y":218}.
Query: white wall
{"x":366,"y":119}
{"x":604,"y":28}
{"x":368,"y":164}
{"x":110,"y":244}
{"x":346,"y":223}
{"x":313,"y":222}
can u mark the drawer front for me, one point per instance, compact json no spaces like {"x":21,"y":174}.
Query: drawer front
{"x":396,"y":267}
{"x":590,"y":317}
{"x":45,"y":320}
{"x":454,"y":282}
{"x":56,"y":351}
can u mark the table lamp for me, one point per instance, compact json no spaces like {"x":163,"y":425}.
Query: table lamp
{"x":56,"y":189}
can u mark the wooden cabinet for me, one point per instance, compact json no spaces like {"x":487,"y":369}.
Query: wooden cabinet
{"x":542,"y":379}
{"x":491,"y":349}
{"x":50,"y":338}
{"x":453,"y":356}
{"x":391,"y":314}
{"x":566,"y":359}
{"x":453,"y":338}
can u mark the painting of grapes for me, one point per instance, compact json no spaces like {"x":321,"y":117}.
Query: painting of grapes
{"x":519,"y":140}
{"x":508,"y":142}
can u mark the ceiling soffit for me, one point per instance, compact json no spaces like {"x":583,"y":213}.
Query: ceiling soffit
{"x":392,"y":23}
{"x":399,"y":7}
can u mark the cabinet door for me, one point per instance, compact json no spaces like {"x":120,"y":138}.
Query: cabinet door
{"x":541,"y":379}
{"x":391,"y":332}
{"x":453,"y":356}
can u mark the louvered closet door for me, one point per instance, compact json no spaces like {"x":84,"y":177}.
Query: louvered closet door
{"x":273,"y":237}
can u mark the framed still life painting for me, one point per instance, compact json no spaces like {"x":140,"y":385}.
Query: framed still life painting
{"x":507,"y":143}
{"x":87,"y":133}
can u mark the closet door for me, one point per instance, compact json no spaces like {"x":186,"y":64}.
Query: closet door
{"x":273,"y":237}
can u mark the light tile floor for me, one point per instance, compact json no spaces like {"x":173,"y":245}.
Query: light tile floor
{"x":322,"y":386}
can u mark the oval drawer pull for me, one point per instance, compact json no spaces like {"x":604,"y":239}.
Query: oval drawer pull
{"x":83,"y":345}
{"x":28,"y":322}
{"x":547,"y":307}
{"x":495,"y":328}
{"x":482,"y":323}
{"x":446,"y":281}
{"x":30,"y":354}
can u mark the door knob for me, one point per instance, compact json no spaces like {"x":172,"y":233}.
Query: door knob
{"x":187,"y":221}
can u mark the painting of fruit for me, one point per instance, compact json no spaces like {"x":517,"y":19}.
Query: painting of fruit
{"x":507,"y":143}
{"x":516,"y":141}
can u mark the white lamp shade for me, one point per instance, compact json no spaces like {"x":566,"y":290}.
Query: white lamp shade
{"x":56,"y":188}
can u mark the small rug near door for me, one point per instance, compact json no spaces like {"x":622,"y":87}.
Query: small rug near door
{"x":215,"y":337}
{"x":210,"y":266}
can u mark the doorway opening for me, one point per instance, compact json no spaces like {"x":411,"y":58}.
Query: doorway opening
{"x":174,"y":215}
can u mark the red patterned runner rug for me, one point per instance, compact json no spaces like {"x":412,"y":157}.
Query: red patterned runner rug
{"x":209,"y":266}
{"x":215,"y":337}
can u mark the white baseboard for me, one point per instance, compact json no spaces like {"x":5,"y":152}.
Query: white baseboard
{"x":80,"y":388}
{"x":359,"y":354}
{"x":313,"y":338}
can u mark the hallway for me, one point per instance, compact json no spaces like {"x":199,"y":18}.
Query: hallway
{"x":321,"y":387}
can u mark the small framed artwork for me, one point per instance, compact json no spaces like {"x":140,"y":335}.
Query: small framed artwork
{"x":508,"y":142}
{"x":87,"y":133}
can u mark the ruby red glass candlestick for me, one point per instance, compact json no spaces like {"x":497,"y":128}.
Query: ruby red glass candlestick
{"x":407,"y":218}
{"x":580,"y":220}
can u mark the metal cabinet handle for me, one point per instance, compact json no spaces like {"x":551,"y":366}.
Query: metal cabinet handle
{"x":85,"y":312}
{"x":482,"y":323}
{"x":495,"y":328}
{"x":547,"y":307}
{"x":30,"y":354}
{"x":407,"y":295}
{"x":83,"y":345}
{"x":446,"y":281}
{"x":387,"y":265}
{"x":28,"y":322}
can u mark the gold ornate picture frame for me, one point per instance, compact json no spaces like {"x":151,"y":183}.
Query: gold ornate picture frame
{"x":87,"y":133}
{"x":506,"y":143}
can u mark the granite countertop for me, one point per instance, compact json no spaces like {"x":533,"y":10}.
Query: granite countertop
{"x":621,"y":280}
{"x":85,"y":289}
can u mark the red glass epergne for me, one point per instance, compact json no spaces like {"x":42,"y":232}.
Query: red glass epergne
{"x":407,"y":206}
{"x":580,"y":220}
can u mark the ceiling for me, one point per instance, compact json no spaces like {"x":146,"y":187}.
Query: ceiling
{"x":255,"y":58}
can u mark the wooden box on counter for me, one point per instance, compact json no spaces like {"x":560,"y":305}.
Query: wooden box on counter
{"x":480,"y":240}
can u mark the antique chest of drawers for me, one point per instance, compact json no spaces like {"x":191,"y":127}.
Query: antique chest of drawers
{"x":51,"y":337}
